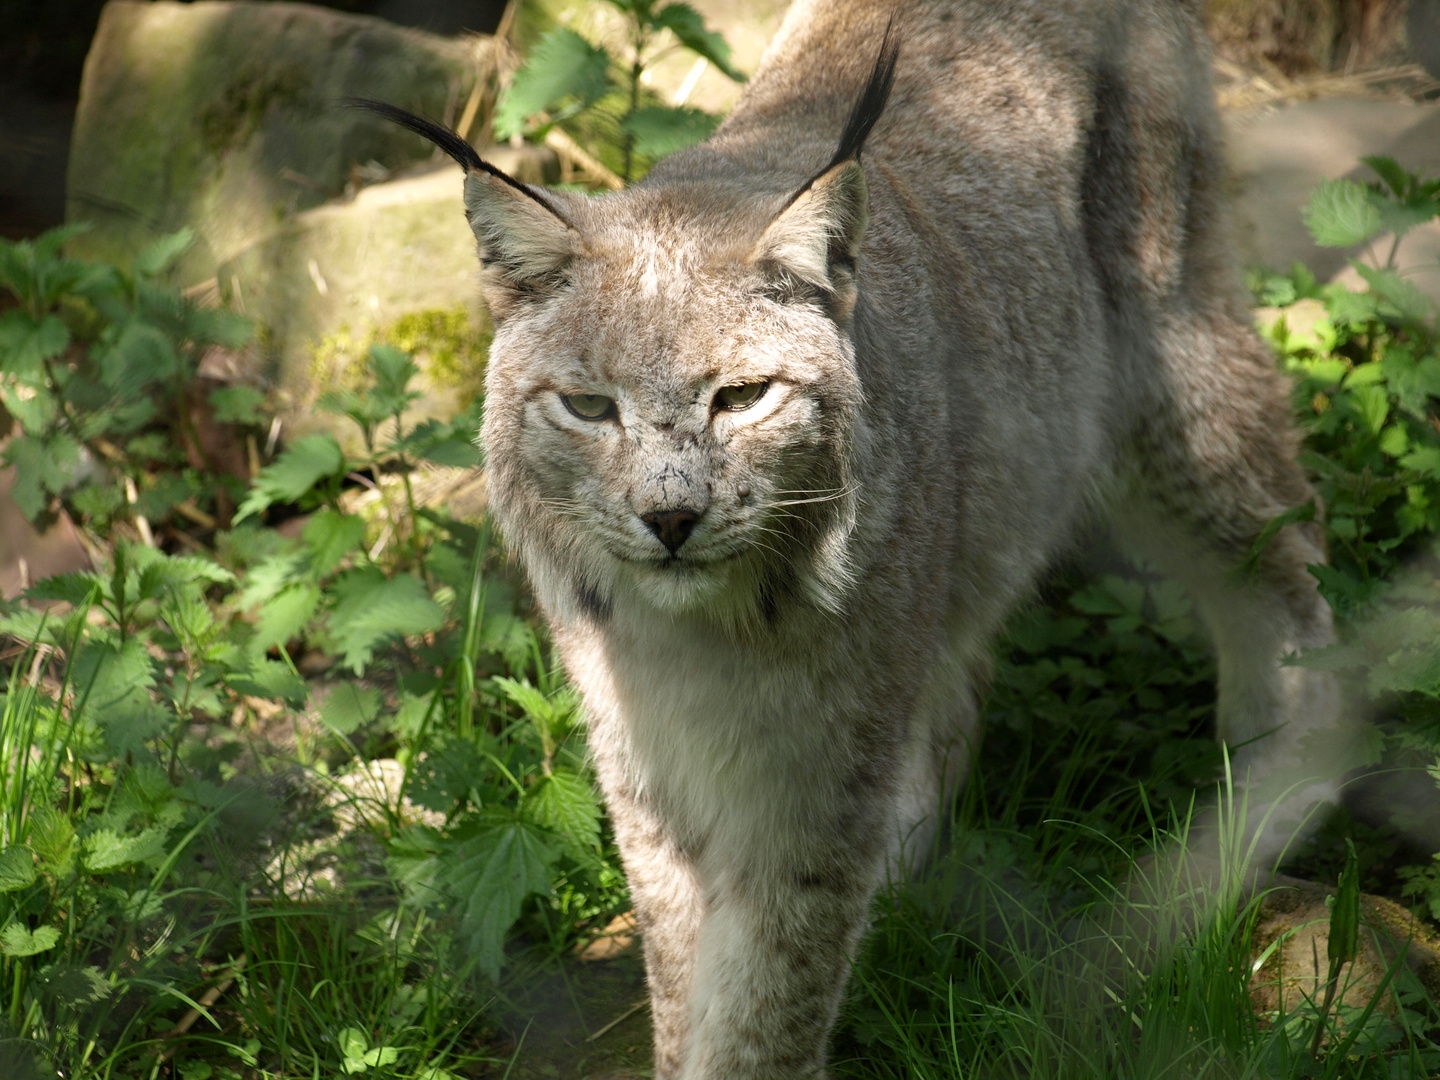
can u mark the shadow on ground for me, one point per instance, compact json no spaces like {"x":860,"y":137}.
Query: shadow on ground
{"x":580,"y":1021}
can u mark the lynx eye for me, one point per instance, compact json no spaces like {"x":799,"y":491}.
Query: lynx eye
{"x":589,"y":406}
{"x":740,"y":396}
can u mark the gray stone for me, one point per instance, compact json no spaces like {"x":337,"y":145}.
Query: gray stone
{"x":225,"y":116}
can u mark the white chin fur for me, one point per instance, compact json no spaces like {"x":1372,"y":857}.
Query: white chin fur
{"x":677,"y":587}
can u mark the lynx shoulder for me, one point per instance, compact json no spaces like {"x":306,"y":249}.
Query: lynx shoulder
{"x":783,"y":432}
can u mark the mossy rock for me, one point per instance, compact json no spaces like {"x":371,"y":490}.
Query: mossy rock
{"x":226,"y":117}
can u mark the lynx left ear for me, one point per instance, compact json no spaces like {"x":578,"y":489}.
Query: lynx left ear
{"x":816,"y":236}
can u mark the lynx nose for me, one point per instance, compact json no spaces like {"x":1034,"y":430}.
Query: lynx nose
{"x":673,"y":527}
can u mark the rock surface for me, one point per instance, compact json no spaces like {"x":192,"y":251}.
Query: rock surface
{"x":1295,"y":919}
{"x":225,"y":116}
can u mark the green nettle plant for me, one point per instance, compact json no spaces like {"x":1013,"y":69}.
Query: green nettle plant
{"x":98,"y":387}
{"x":133,"y":894}
{"x":569,"y":81}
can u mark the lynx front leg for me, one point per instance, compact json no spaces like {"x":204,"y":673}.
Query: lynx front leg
{"x":667,"y":902}
{"x":774,"y":953}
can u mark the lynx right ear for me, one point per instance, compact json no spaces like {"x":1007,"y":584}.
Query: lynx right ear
{"x":525,"y":239}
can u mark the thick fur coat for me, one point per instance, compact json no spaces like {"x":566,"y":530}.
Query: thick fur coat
{"x":1014,"y":310}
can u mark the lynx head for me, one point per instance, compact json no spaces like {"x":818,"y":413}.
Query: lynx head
{"x":672,"y":397}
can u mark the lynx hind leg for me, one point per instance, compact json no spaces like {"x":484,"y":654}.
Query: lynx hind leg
{"x":944,"y":731}
{"x":1213,"y":463}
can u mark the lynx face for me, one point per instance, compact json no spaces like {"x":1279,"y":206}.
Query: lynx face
{"x":669,"y":409}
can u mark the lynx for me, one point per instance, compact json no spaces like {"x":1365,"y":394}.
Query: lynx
{"x":783,"y":432}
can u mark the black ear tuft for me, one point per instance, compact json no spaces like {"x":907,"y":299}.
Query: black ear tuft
{"x":871,"y":102}
{"x":447,"y":140}
{"x":452,"y":143}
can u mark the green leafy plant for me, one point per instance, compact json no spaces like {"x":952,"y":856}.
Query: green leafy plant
{"x":124,"y":750}
{"x":98,"y":377}
{"x":1367,"y":371}
{"x":566,"y":78}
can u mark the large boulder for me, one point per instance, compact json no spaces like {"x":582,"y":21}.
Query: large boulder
{"x":225,"y":116}
{"x":1292,"y":958}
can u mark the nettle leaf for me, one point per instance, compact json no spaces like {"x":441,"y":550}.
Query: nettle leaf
{"x":488,"y":874}
{"x":1425,"y":460}
{"x":17,"y":941}
{"x":268,"y":679}
{"x":562,"y":65}
{"x":239,"y":404}
{"x":1110,"y":595}
{"x":1341,"y":213}
{"x":347,"y":707}
{"x":531,"y":700}
{"x":42,"y":468}
{"x":364,"y":410}
{"x":455,"y":452}
{"x":664,"y":129}
{"x":1347,"y":307}
{"x":269,"y":576}
{"x":140,"y":355}
{"x":72,"y":986}
{"x":26,"y":343}
{"x":688,"y":25}
{"x":285,"y":616}
{"x":103,"y":672}
{"x":564,"y":802}
{"x":444,"y":444}
{"x":1373,"y":405}
{"x":1391,"y":172}
{"x":156,"y":258}
{"x":77,"y":589}
{"x":105,"y":851}
{"x":52,"y":838}
{"x":17,"y":869}
{"x":1413,"y":383}
{"x":175,"y":574}
{"x":305,"y":463}
{"x":129,"y":722}
{"x":1401,"y":293}
{"x":371,"y":609}
{"x":507,"y":634}
{"x":446,"y":774}
{"x":330,"y":536}
{"x":393,"y":369}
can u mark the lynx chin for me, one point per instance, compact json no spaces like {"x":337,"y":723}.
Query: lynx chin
{"x":783,"y":432}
